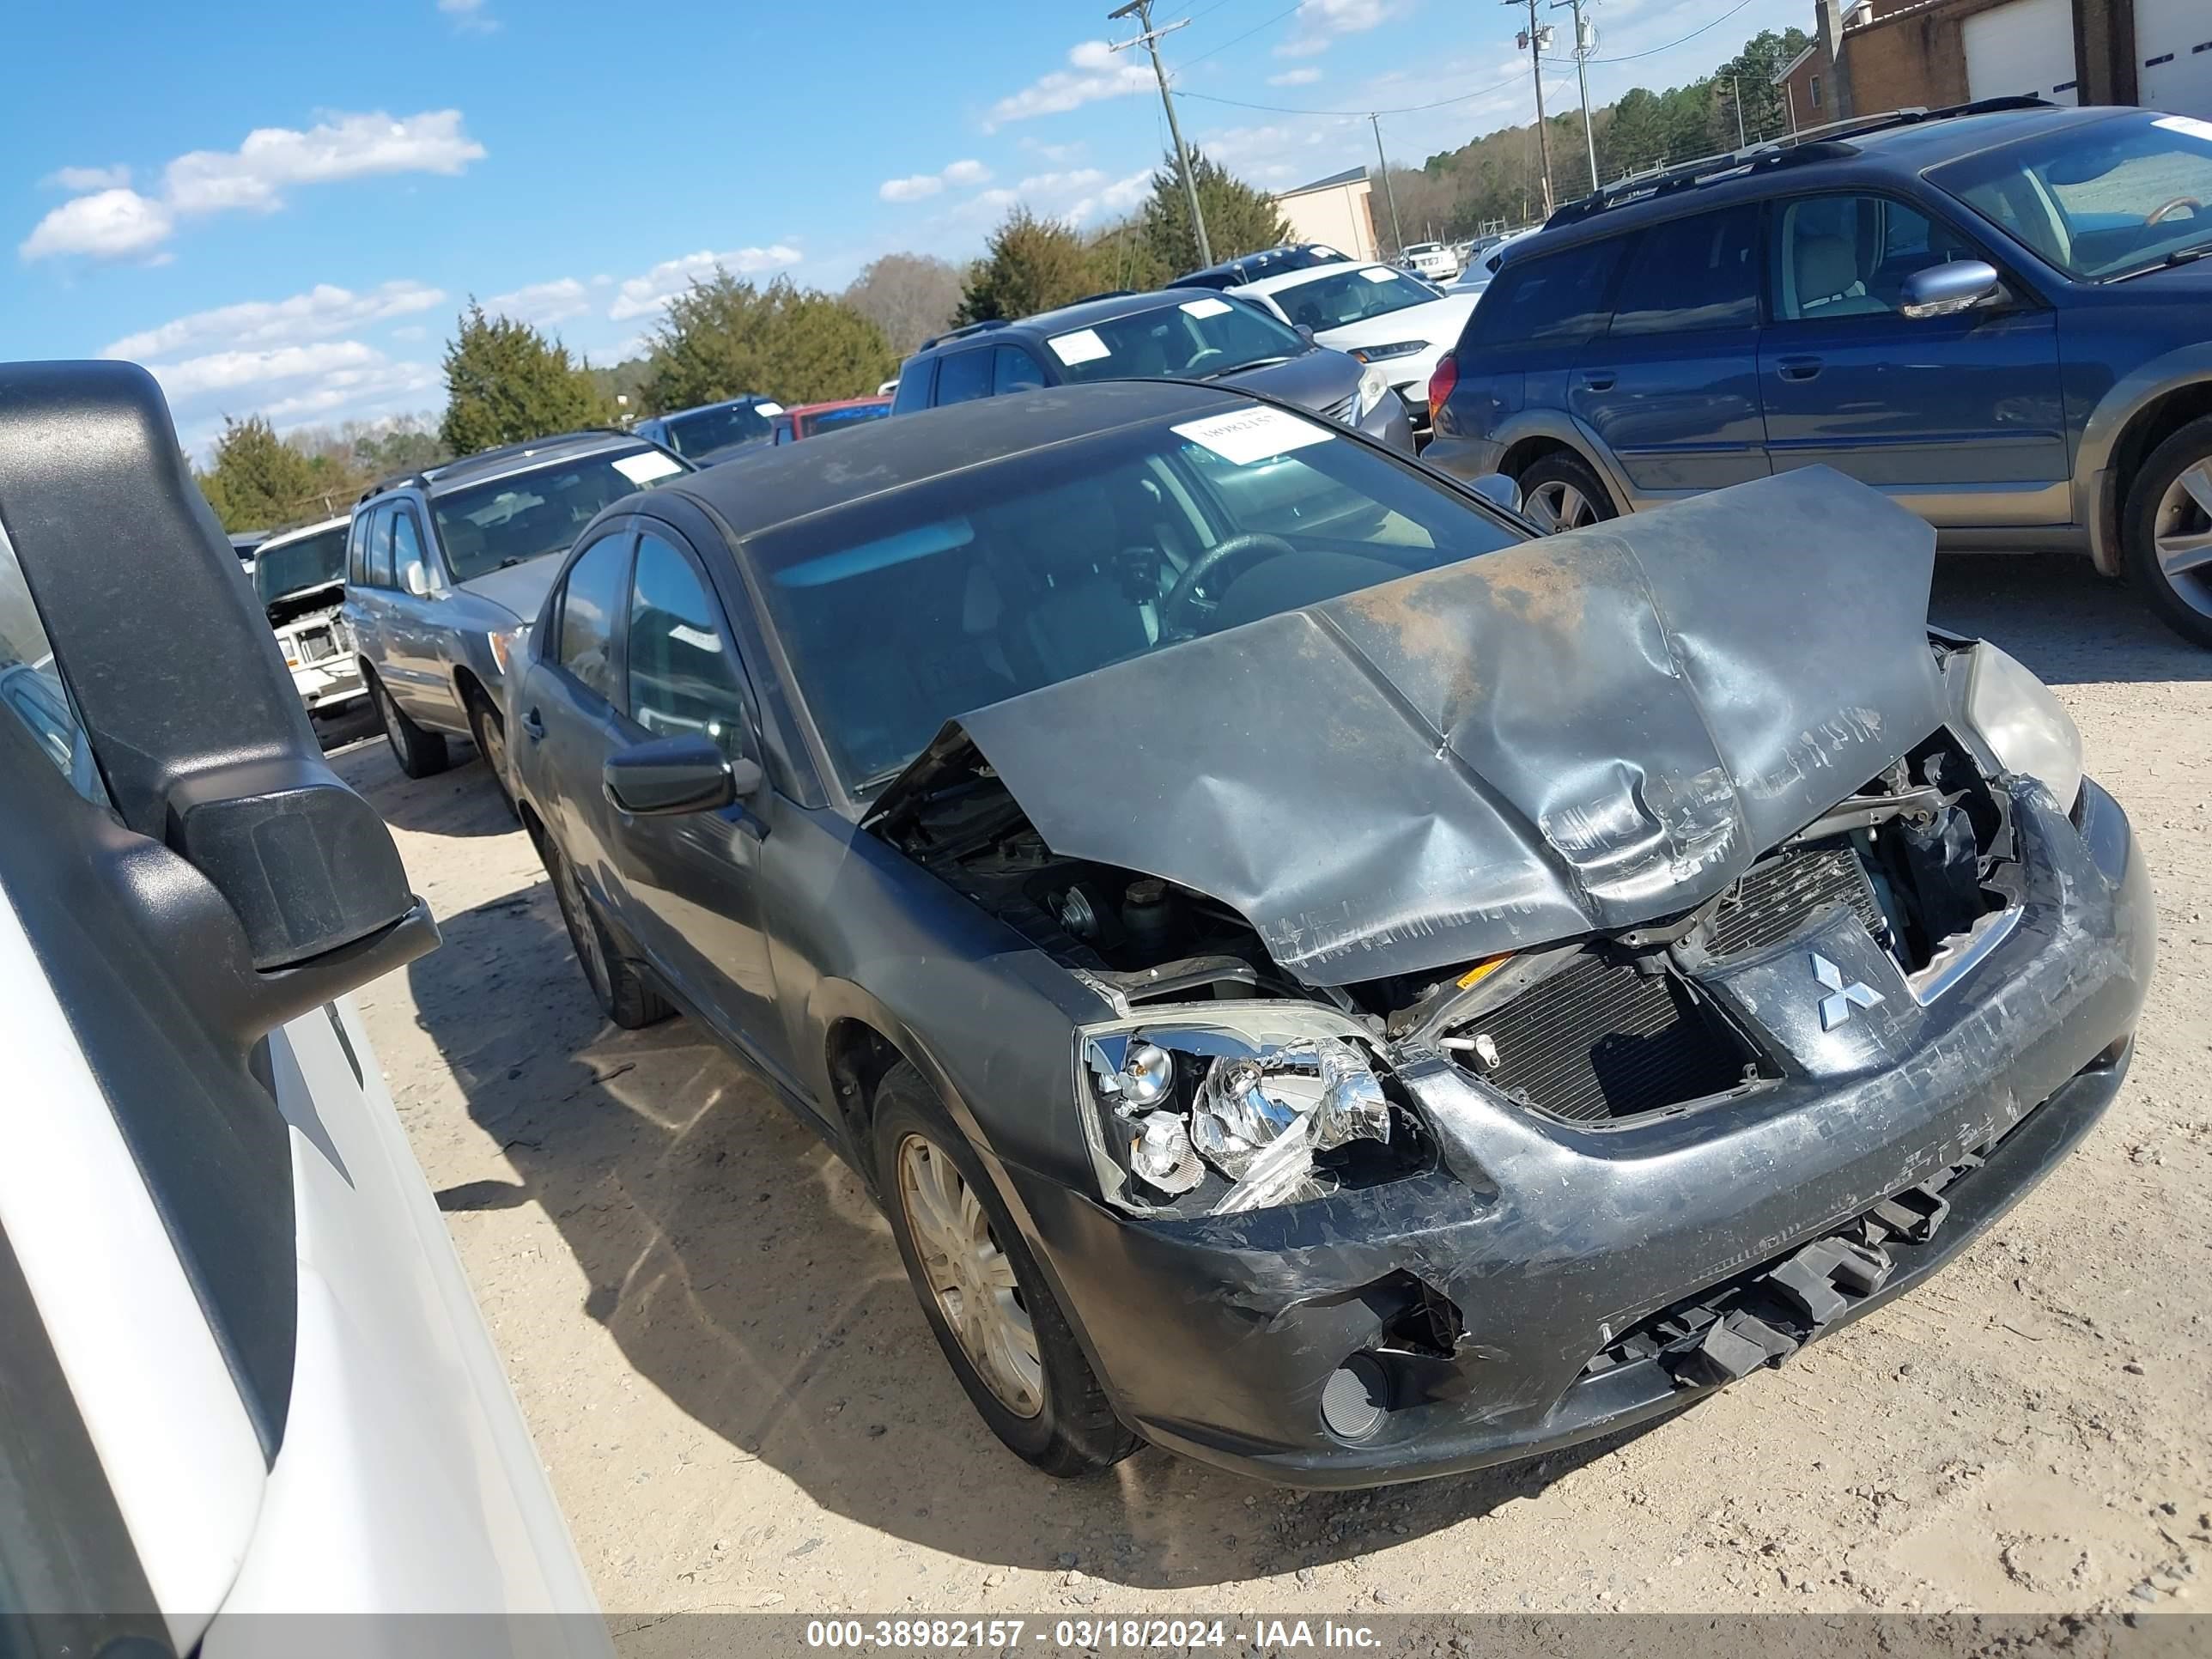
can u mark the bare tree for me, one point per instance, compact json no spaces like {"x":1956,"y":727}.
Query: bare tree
{"x":910,"y":296}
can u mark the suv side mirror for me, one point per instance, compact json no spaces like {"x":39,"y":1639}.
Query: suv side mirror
{"x":415,"y":579}
{"x":1943,"y":290}
{"x":1304,"y":332}
{"x":669,"y":775}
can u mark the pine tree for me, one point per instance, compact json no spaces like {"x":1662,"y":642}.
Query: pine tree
{"x":726,"y":339}
{"x":1239,"y":218}
{"x":506,"y":382}
{"x":1030,"y":264}
{"x":258,"y":482}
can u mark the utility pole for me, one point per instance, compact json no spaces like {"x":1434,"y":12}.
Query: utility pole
{"x":1150,"y":40}
{"x":1390,"y":191}
{"x":1735,"y":92}
{"x":1533,"y":37}
{"x":1585,"y":44}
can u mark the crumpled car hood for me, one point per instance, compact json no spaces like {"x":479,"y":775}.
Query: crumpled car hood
{"x":1571,"y":735}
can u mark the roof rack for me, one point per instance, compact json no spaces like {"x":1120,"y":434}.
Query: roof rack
{"x":1826,"y":142}
{"x":1103,"y":294}
{"x":950,"y":334}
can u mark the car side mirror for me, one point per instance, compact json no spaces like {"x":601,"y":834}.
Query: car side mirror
{"x":1305,"y":332}
{"x":1497,"y":486}
{"x":1944,"y":290}
{"x":415,"y":579}
{"x":671,"y":776}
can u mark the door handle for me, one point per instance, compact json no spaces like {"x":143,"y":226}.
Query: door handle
{"x":1599,"y":379}
{"x":1799,"y":368}
{"x":533,"y":727}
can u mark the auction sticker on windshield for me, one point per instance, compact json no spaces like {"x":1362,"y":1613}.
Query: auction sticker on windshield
{"x":1205,"y":308}
{"x":1083,"y":346}
{"x":2187,"y":125}
{"x":1376,"y":274}
{"x":1251,"y":434}
{"x":645,"y":467}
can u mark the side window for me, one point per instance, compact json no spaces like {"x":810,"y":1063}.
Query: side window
{"x":963,"y":376}
{"x":682,"y":677}
{"x":406,"y":545}
{"x":1847,"y":256}
{"x":1015,"y":371}
{"x":357,"y":550}
{"x":589,"y":605}
{"x":32,"y":691}
{"x":379,"y":547}
{"x":1696,"y":273}
{"x":1559,"y":297}
{"x":912,"y":392}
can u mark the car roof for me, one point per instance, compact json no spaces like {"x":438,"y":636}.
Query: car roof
{"x":1314,"y":274}
{"x":749,"y":398}
{"x":269,"y":544}
{"x":523,"y":458}
{"x":776,"y":486}
{"x":1085,"y":313}
{"x":872,"y":399}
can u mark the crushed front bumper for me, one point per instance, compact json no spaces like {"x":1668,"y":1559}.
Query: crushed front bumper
{"x":1560,"y":1253}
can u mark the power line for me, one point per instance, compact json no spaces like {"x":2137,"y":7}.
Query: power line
{"x":1248,"y":34}
{"x":1630,"y":57}
{"x":1150,"y":40}
{"x":1357,"y":114}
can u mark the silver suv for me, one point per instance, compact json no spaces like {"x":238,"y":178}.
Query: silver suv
{"x":444,"y":569}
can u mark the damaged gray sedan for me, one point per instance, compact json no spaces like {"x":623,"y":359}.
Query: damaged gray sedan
{"x":1318,"y":979}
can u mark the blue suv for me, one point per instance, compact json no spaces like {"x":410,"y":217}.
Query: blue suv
{"x":1999,"y":315}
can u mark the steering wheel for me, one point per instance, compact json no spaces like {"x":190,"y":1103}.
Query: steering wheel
{"x":1182,"y":596}
{"x":2175,"y":206}
{"x":1199,"y":360}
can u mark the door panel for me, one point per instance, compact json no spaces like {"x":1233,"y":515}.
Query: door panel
{"x":1960,"y":418}
{"x":417,"y":670}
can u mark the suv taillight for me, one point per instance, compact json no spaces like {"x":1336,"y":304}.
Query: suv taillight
{"x":1442,"y":383}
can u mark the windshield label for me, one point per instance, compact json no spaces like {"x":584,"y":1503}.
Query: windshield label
{"x":644,"y":468}
{"x":1205,"y":308}
{"x":1083,"y":346}
{"x":765,"y":407}
{"x":2185,"y":123}
{"x":1376,"y":274}
{"x":1251,"y":434}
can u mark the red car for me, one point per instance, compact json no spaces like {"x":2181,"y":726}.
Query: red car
{"x":813,"y":420}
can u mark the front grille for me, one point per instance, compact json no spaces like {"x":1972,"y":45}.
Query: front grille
{"x":1777,"y":895}
{"x":1342,"y":411}
{"x":315,"y":644}
{"x":1599,"y":1040}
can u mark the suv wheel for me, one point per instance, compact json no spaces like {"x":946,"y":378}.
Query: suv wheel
{"x":2166,"y":531}
{"x":617,"y":986}
{"x":1559,"y":491}
{"x":419,"y":753}
{"x":982,"y":1292}
{"x":490,"y":734}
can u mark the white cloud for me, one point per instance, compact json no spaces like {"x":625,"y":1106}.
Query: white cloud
{"x":642,"y":296}
{"x":1319,"y":21}
{"x":321,"y":311}
{"x":112,"y":224}
{"x":84,"y":179}
{"x":539,"y":303}
{"x":1058,"y":155}
{"x":917,"y":186}
{"x":468,"y":16}
{"x":231,"y":371}
{"x":410,"y":332}
{"x":358,"y":390}
{"x":1297,"y":77}
{"x":1095,"y":71}
{"x":119,"y":223}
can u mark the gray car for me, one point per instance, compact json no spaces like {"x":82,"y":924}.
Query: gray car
{"x":444,"y":569}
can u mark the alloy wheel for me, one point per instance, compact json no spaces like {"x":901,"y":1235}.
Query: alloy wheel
{"x":583,"y":933}
{"x":1557,"y":505}
{"x":387,"y":714}
{"x":2181,"y":536}
{"x":972,"y":1278}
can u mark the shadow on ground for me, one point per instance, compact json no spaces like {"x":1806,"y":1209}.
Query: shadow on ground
{"x":459,"y":802}
{"x":743,"y":1270}
{"x":2059,"y":617}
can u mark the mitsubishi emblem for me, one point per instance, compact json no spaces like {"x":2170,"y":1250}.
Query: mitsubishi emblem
{"x":1836,"y":1007}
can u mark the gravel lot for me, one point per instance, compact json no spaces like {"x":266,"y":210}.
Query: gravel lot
{"x":709,"y":1328}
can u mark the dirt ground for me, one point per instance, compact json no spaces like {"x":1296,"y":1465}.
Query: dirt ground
{"x":709,"y":1331}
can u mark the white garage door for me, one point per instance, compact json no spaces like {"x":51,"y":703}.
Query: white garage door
{"x":2027,"y":47}
{"x":2174,"y":44}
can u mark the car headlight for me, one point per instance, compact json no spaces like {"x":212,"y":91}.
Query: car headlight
{"x":506,"y":642}
{"x":2023,"y":722}
{"x":1218,"y":1113}
{"x":1374,"y":387}
{"x":1383,"y":353}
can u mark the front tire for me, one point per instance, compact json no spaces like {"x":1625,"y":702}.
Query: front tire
{"x":2166,"y":531}
{"x":617,"y":984}
{"x":490,"y":734}
{"x":982,"y":1292}
{"x":1561,"y":492}
{"x":421,"y":754}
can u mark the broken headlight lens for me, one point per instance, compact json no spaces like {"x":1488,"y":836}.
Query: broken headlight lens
{"x":2023,"y":722}
{"x":1235,"y":1112}
{"x":1374,"y":387}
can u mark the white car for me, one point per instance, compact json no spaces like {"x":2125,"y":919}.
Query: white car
{"x":1477,"y":276}
{"x":1376,"y":314}
{"x":241,"y":1370}
{"x":1434,"y":260}
{"x":300,"y":579}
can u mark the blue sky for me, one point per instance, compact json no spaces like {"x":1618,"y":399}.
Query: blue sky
{"x":280,"y":208}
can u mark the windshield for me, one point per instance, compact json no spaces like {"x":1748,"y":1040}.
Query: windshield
{"x":308,"y":563}
{"x":820,"y":421}
{"x":1351,"y":296}
{"x":526,"y":514}
{"x":2099,"y":200}
{"x":1200,"y":337}
{"x":711,"y":429}
{"x":1029,"y":571}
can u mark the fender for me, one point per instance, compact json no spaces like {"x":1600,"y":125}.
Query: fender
{"x":1561,"y":427}
{"x":2096,"y":501}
